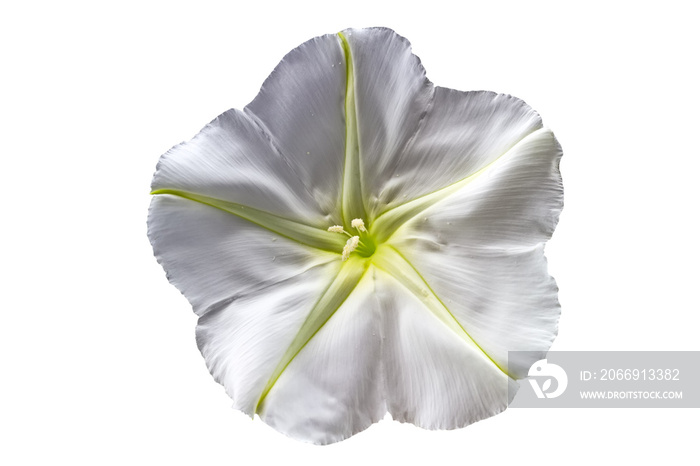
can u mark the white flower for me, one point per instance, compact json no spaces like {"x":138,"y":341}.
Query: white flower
{"x":448,"y":198}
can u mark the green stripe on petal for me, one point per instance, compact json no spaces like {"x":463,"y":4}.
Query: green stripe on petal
{"x":304,"y":234}
{"x":395,"y":264}
{"x":352,"y":199}
{"x":386,"y":224}
{"x":330,"y":301}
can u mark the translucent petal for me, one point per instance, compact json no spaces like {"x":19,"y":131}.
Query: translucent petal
{"x":244,"y":340}
{"x":391,"y":94}
{"x":462,"y":133}
{"x":214,"y":257}
{"x":481,"y":250}
{"x":333,"y":389}
{"x":231,"y":159}
{"x":300,"y":107}
{"x":435,"y":377}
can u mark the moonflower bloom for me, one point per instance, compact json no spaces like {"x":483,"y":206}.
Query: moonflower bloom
{"x":357,"y":241}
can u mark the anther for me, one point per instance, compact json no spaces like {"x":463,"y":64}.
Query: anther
{"x":350,"y":246}
{"x":359,"y":224}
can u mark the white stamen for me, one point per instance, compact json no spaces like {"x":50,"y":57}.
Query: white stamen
{"x":336,"y":229}
{"x":350,"y":246}
{"x":359,"y":224}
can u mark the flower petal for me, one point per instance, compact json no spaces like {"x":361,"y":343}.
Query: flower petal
{"x":244,"y":340}
{"x":462,"y":133}
{"x":338,"y":106}
{"x":332,"y":389}
{"x":300,"y":107}
{"x":436,"y":378}
{"x":481,"y":250}
{"x":391,"y":95}
{"x":232,"y":160}
{"x":213,"y":257}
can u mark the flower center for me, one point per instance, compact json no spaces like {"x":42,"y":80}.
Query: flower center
{"x":361,"y":244}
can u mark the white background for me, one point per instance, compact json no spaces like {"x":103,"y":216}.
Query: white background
{"x":99,"y":363}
